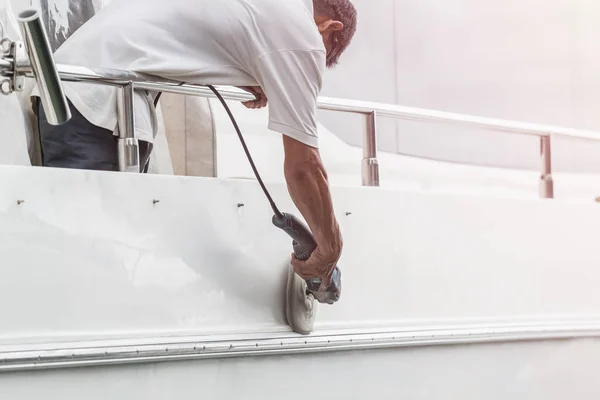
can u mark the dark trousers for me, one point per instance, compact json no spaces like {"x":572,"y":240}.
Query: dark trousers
{"x":79,"y":144}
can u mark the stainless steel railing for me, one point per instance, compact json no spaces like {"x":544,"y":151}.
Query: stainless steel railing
{"x":129,"y":81}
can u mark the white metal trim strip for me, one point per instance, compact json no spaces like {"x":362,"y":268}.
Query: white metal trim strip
{"x":79,"y":354}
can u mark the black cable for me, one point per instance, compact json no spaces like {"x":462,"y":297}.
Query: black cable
{"x":239,"y":133}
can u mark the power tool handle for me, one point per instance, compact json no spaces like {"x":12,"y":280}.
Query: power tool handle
{"x":303,"y":241}
{"x":304,"y":244}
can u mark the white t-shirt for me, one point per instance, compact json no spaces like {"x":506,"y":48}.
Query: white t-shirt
{"x":274,"y":44}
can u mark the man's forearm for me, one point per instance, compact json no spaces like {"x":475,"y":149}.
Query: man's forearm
{"x":309,"y":188}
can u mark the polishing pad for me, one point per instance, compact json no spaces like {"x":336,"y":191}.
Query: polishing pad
{"x":300,"y":307}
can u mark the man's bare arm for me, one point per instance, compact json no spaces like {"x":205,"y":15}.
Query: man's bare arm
{"x":309,"y":188}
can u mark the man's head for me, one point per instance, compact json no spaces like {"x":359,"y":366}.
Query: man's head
{"x":336,"y":21}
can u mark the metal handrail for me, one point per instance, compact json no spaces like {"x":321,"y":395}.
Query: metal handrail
{"x":128,"y":81}
{"x":372,"y":110}
{"x":119,"y":78}
{"x":113,"y":77}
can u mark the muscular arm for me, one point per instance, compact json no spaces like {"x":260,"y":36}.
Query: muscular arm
{"x":291,"y":81}
{"x":309,"y":188}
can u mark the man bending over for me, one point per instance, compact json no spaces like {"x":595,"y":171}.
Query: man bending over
{"x":276,"y":49}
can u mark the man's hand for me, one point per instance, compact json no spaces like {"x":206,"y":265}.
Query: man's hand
{"x":308,"y":186}
{"x":260,"y":100}
{"x":317,"y":266}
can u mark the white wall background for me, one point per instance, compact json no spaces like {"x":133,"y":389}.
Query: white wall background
{"x":533,"y":60}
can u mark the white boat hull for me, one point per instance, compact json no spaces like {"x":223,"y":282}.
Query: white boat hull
{"x":120,"y":285}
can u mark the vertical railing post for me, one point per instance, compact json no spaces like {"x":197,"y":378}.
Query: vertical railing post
{"x":128,"y":148}
{"x":370,"y":164}
{"x":546,"y":182}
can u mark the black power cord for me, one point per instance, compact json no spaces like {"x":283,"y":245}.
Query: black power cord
{"x":239,"y":133}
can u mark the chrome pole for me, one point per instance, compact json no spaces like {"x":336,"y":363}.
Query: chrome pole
{"x":546,"y":181}
{"x":370,"y":164}
{"x":44,"y":69}
{"x":5,"y":66}
{"x":128,"y":147}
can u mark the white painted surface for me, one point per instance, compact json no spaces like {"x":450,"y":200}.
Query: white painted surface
{"x":107,"y":261}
